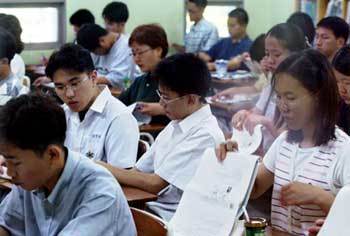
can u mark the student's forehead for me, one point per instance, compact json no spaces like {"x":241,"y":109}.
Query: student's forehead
{"x":66,"y":75}
{"x":324,"y":30}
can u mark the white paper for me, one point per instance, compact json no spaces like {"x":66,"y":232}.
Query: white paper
{"x":247,"y":143}
{"x":212,"y":200}
{"x":141,"y":118}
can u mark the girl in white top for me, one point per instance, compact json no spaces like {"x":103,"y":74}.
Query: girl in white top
{"x":307,"y":164}
{"x":281,"y":40}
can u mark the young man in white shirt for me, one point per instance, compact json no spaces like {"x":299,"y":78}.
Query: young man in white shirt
{"x":99,"y":125}
{"x":55,"y":191}
{"x":167,"y":167}
{"x":110,"y":53}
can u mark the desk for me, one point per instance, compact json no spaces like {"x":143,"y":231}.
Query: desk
{"x":137,"y":197}
{"x":221,"y":84}
{"x":116,"y":92}
{"x":149,"y":128}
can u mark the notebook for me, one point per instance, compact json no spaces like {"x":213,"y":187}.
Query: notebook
{"x":213,"y":200}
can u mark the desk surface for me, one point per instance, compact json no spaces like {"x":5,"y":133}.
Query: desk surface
{"x":138,"y":196}
{"x":149,"y":128}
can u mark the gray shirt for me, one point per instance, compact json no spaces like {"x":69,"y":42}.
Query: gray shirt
{"x":87,"y":200}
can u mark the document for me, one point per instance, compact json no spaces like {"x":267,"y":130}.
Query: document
{"x":214,"y":198}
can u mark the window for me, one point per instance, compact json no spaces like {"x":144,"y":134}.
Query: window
{"x":43,"y":22}
{"x":216,"y":12}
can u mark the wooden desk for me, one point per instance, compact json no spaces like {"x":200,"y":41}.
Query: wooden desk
{"x":137,"y":197}
{"x":221,"y":84}
{"x":116,"y":92}
{"x":151,"y":128}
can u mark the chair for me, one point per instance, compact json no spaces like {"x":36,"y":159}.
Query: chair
{"x":147,"y":137}
{"x":143,"y":146}
{"x":148,"y":224}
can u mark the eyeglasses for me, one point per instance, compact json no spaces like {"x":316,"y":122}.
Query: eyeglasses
{"x":166,"y":100}
{"x":60,"y":88}
{"x":139,"y":53}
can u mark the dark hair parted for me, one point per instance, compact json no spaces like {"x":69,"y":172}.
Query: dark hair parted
{"x":290,"y":36}
{"x":7,"y":45}
{"x":241,"y":15}
{"x":341,"y":60}
{"x":257,"y":49}
{"x":81,"y":17}
{"x":116,"y":12}
{"x":314,"y":72}
{"x":199,"y":3}
{"x":337,"y":25}
{"x":70,"y":57}
{"x":13,"y":26}
{"x":184,"y":74}
{"x":152,"y":35}
{"x":89,"y":36}
{"x":305,"y":23}
{"x":32,"y":122}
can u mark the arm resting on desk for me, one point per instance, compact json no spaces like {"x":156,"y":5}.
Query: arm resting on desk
{"x":3,"y":232}
{"x":148,"y":182}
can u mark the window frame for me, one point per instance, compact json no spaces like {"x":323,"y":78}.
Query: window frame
{"x":60,"y":5}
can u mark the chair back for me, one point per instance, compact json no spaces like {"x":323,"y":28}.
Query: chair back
{"x":148,"y":224}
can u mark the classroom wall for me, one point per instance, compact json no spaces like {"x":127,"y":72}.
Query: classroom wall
{"x":170,"y":14}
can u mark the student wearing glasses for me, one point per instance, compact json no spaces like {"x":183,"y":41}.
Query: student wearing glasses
{"x":167,"y":167}
{"x":149,"y":46}
{"x":99,"y":125}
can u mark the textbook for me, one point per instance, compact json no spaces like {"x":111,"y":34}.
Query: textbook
{"x":215,"y":197}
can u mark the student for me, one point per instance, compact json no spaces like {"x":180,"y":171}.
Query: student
{"x":235,"y":45}
{"x":98,"y":125}
{"x":149,"y":46}
{"x":203,"y":34}
{"x":341,"y":68}
{"x":331,"y":34}
{"x":167,"y":167}
{"x":7,"y":78}
{"x":115,"y":16}
{"x":305,"y":23}
{"x":110,"y":53}
{"x":308,"y":163}
{"x":81,"y":17}
{"x":280,"y":42}
{"x":56,"y":191}
{"x":13,"y":26}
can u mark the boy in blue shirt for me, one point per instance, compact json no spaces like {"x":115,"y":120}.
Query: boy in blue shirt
{"x":56,"y":191}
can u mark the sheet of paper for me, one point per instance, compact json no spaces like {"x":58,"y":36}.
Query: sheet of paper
{"x":141,"y":118}
{"x":247,"y":143}
{"x":211,"y":201}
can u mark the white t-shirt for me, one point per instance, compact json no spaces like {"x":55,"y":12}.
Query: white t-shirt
{"x":109,"y":132}
{"x":175,"y":156}
{"x":117,"y":65}
{"x":18,"y":66}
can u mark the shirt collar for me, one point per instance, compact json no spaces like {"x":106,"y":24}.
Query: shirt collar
{"x":194,"y":119}
{"x":101,"y":100}
{"x":240,"y":40}
{"x":61,"y":187}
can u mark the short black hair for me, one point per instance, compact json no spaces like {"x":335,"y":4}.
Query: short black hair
{"x":89,"y":36}
{"x":71,"y":57}
{"x":337,"y":25}
{"x":7,"y":45}
{"x":305,"y":23}
{"x":13,"y":26}
{"x":257,"y":49}
{"x":116,"y":12}
{"x":81,"y":17}
{"x":32,"y":122}
{"x":341,"y":60}
{"x":241,"y":15}
{"x":199,"y":3}
{"x":184,"y":74}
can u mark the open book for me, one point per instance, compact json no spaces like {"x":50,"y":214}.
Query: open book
{"x":141,"y":118}
{"x":214,"y":199}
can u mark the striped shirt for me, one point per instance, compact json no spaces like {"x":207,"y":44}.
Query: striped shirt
{"x":326,"y":167}
{"x":202,"y":37}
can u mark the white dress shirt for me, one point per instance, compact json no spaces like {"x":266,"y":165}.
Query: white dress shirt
{"x":117,"y":65}
{"x":18,"y":66}
{"x":108,"y":132}
{"x":175,"y":155}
